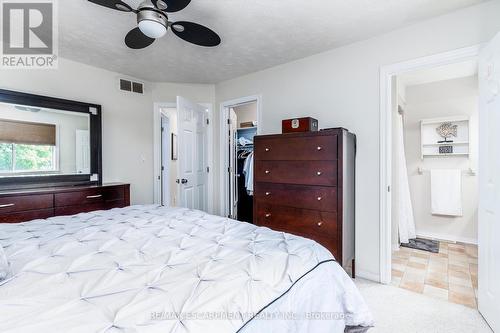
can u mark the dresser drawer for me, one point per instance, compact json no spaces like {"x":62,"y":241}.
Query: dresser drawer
{"x":297,"y":172}
{"x":25,"y":202}
{"x":313,"y":148}
{"x":300,"y":196}
{"x":71,"y":210}
{"x":302,"y":222}
{"x":89,"y":196}
{"x":16,"y":217}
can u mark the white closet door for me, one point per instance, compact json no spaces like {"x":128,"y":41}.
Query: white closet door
{"x":489,"y":184}
{"x":192,"y":154}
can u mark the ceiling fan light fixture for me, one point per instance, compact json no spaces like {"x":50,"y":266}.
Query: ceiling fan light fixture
{"x":152,"y":24}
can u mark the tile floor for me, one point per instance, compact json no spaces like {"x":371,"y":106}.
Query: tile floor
{"x":450,"y":274}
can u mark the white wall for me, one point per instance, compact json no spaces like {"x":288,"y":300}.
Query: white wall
{"x":246,"y":113}
{"x":127,"y":117}
{"x":341,"y":88}
{"x":457,"y":97}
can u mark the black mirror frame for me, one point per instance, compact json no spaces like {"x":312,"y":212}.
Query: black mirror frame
{"x":94,"y":110}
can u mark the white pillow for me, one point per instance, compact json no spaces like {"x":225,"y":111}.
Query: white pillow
{"x":4,"y":265}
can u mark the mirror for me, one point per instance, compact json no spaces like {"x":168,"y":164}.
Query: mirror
{"x":47,"y":141}
{"x":42,"y":141}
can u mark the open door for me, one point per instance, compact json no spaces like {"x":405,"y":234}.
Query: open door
{"x":233,"y":164}
{"x":489,"y":184}
{"x":192,"y":155}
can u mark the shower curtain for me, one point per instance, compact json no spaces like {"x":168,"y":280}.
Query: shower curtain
{"x":405,"y":208}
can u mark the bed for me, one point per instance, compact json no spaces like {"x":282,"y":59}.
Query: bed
{"x":158,"y":269}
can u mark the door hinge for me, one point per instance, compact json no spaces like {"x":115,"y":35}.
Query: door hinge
{"x":229,"y":121}
{"x":388,"y":189}
{"x":208,"y":169}
{"x":163,"y":129}
{"x":208,"y":121}
{"x":162,"y":168}
{"x":229,"y":170}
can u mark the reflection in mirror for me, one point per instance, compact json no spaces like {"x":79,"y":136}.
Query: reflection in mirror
{"x":40,"y":141}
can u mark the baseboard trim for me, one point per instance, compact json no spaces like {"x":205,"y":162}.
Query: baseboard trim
{"x":367,"y":275}
{"x":447,"y":237}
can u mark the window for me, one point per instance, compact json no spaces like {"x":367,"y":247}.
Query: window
{"x":16,"y":158}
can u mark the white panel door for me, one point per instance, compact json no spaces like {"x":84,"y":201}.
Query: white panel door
{"x":489,"y":184}
{"x":82,"y":151}
{"x":233,"y":163}
{"x":192,"y":154}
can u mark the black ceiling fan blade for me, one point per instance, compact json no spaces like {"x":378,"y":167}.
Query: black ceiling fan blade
{"x":136,"y":40}
{"x":171,"y":6}
{"x":195,"y":33}
{"x":114,"y":4}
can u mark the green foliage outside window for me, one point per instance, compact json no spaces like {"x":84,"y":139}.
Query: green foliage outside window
{"x":19,"y":157}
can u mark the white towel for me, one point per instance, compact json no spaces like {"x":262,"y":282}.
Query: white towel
{"x":446,"y":192}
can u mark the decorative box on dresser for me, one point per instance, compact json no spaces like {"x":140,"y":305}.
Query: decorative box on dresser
{"x":39,"y":203}
{"x":304,"y":185}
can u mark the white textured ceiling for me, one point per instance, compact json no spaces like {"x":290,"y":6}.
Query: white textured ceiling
{"x":256,"y":34}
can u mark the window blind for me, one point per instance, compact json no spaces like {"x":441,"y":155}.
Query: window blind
{"x":21,"y":132}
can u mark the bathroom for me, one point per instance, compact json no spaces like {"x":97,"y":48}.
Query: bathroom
{"x":435,"y":182}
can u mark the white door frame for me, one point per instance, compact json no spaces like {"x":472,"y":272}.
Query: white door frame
{"x":165,"y":190}
{"x":224,"y":154}
{"x":157,"y":151}
{"x":386,"y":107}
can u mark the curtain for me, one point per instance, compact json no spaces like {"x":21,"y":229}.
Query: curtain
{"x":22,"y":132}
{"x":405,"y":207}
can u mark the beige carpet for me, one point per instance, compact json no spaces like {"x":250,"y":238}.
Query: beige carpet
{"x":401,"y":311}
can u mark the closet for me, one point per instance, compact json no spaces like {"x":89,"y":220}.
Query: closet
{"x":243,"y":128}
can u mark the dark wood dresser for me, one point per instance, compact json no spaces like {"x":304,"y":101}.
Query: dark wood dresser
{"x":40,"y":203}
{"x":304,"y":185}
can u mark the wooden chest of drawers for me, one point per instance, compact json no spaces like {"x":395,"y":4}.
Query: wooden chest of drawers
{"x":40,"y":203}
{"x":304,"y":185}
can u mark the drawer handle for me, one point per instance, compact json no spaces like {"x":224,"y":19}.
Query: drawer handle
{"x":94,"y":196}
{"x":267,"y":172}
{"x":320,"y":224}
{"x":320,"y":198}
{"x":268,"y":193}
{"x":268,"y":215}
{"x":319,"y":148}
{"x":7,"y":205}
{"x":319,"y":173}
{"x":268,"y":149}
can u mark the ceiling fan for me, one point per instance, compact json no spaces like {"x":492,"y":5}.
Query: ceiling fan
{"x":153,"y":23}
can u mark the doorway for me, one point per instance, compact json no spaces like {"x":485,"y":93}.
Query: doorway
{"x":435,"y":182}
{"x":239,"y":125}
{"x":169,"y":193}
{"x":182,"y":158}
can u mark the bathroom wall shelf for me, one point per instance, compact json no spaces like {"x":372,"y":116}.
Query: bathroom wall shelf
{"x":429,"y":137}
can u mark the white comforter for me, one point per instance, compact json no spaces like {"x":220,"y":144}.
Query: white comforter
{"x":156,"y":269}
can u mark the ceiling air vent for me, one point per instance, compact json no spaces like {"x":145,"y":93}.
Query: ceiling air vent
{"x":130,"y":86}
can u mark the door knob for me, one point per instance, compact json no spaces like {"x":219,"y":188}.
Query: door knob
{"x":184,"y":181}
